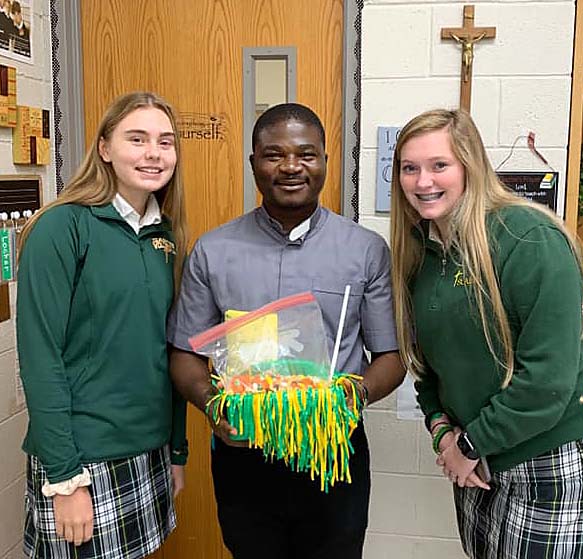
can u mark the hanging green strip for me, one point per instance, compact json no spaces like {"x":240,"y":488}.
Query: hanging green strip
{"x":7,"y":254}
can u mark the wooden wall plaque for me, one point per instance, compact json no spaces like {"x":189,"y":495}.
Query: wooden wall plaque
{"x":31,"y":136}
{"x":7,"y":96}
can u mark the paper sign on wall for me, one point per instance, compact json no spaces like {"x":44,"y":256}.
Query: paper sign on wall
{"x":536,"y":186}
{"x":407,"y":406}
{"x":387,"y":139}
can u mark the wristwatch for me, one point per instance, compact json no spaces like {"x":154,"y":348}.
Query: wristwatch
{"x":467,"y":447}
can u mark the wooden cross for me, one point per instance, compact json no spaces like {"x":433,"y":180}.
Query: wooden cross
{"x":467,"y":36}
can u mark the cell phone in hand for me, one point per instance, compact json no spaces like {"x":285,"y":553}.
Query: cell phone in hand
{"x":483,"y":470}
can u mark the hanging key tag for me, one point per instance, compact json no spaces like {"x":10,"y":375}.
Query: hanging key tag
{"x":6,"y":249}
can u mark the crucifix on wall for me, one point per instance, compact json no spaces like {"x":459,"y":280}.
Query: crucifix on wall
{"x":467,"y":36}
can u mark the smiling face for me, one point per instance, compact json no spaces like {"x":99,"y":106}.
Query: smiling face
{"x":431,"y":176}
{"x":289,"y":165}
{"x":142,"y":152}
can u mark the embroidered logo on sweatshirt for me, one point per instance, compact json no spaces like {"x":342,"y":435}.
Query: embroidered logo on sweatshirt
{"x":160,"y":243}
{"x":459,"y":280}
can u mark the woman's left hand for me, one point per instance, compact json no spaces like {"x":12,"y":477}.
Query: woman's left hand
{"x":458,"y":468}
{"x":177,"y":473}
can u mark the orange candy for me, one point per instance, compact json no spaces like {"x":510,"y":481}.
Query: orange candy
{"x":248,"y":382}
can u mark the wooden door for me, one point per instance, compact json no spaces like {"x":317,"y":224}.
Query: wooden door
{"x":191,"y":52}
{"x":574,"y":211}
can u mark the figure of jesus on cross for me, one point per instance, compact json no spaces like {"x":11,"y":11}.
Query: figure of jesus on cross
{"x":467,"y":36}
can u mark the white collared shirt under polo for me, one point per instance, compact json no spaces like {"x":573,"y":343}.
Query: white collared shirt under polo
{"x":152,"y":215}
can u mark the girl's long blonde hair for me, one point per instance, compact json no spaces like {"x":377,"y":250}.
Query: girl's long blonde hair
{"x":95,"y":182}
{"x":469,"y":236}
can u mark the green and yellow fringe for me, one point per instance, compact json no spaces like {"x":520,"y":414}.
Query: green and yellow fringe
{"x":309,"y":428}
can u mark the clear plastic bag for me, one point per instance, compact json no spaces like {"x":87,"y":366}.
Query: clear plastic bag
{"x":284,"y":339}
{"x":275,"y":385}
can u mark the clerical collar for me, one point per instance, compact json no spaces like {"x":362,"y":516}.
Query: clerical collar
{"x":299,"y":231}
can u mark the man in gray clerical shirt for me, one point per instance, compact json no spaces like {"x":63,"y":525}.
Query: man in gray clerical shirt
{"x":289,"y":245}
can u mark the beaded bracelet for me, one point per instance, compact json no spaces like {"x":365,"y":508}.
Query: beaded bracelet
{"x":441,"y":432}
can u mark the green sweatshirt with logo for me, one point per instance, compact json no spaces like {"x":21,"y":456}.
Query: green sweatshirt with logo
{"x":93,"y":298}
{"x":541,"y":289}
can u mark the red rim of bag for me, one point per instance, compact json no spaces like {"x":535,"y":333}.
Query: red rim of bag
{"x":219,"y":331}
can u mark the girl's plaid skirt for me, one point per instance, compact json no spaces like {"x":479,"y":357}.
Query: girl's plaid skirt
{"x":133,"y":510}
{"x":534,"y":510}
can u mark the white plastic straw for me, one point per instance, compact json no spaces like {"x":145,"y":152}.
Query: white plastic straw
{"x":340,"y":330}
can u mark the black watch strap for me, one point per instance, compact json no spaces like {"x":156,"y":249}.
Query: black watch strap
{"x":466,"y":447}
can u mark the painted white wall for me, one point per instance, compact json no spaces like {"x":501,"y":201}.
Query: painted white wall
{"x":34,"y":88}
{"x":522,"y":83}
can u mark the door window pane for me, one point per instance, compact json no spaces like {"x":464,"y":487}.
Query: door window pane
{"x":270,"y":83}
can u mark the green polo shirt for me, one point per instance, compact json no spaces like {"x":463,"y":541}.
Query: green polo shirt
{"x":93,"y":299}
{"x":541,"y":289}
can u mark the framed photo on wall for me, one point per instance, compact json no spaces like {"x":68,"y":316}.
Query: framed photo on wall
{"x":16,"y":29}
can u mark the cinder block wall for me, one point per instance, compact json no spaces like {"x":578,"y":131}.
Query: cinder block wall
{"x":34,"y":88}
{"x":522,"y":83}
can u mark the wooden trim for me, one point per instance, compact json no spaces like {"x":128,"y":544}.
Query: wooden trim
{"x":4,"y":301}
{"x":576,"y":127}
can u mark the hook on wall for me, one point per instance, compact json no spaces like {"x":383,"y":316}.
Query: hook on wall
{"x":530,"y":142}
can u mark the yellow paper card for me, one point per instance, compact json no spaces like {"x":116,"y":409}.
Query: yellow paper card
{"x":253,"y":343}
